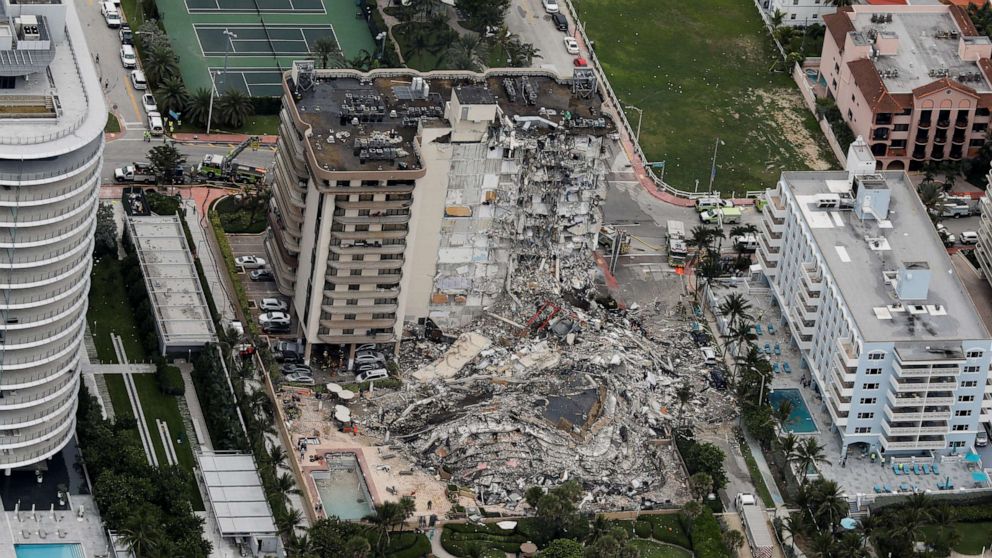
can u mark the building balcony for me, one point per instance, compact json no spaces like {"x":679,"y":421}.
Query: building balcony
{"x":770,"y":267}
{"x":903,"y":386}
{"x":808,"y":306}
{"x":812,"y":276}
{"x":358,"y":323}
{"x":943,"y":124}
{"x":961,"y":123}
{"x":33,"y":298}
{"x":361,"y":295}
{"x":842,"y":391}
{"x":54,"y":233}
{"x":914,"y":445}
{"x":772,"y":232}
{"x":956,"y":153}
{"x":365,"y":264}
{"x":917,"y":400}
{"x":289,"y":243}
{"x":357,"y":338}
{"x":338,"y":309}
{"x":372,"y":205}
{"x":919,"y":413}
{"x":365,"y":249}
{"x":364,"y":280}
{"x":891,"y":430}
{"x":848,"y":353}
{"x":26,"y":418}
{"x":368,"y":235}
{"x":372,"y":219}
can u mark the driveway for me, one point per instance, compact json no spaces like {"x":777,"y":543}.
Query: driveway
{"x":105,"y":46}
{"x":528,"y":19}
{"x":252,"y":245}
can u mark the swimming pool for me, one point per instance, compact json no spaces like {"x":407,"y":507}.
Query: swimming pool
{"x":800,"y":420}
{"x":48,"y":551}
{"x":342,"y":488}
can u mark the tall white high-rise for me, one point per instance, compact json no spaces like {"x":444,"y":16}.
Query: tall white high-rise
{"x":52,"y":115}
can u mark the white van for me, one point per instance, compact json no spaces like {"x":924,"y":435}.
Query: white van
{"x":704,"y":204}
{"x":969,"y":237}
{"x":155,"y":124}
{"x":369,"y":375}
{"x":111,"y":15}
{"x":138,"y":80}
{"x":709,"y":355}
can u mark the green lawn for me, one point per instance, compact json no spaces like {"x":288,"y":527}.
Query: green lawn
{"x":651,"y":549}
{"x":258,"y":125}
{"x":156,"y":406}
{"x":701,"y":71}
{"x":975,"y":537}
{"x":109,"y":312}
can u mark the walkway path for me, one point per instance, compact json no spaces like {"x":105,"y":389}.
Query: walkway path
{"x":136,"y":368}
{"x":132,"y":395}
{"x":192,"y":407}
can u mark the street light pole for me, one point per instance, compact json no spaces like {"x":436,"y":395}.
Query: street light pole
{"x":213,"y":84}
{"x":716,"y":146}
{"x":640,"y":115}
{"x":382,"y":44}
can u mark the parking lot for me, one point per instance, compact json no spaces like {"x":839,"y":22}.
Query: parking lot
{"x":529,"y":20}
{"x":251,"y":245}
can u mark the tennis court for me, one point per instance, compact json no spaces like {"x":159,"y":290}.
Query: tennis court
{"x":255,"y":6}
{"x":255,"y":82}
{"x":253,"y":40}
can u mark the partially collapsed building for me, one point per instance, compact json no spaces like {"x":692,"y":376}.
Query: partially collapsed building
{"x":400,"y":197}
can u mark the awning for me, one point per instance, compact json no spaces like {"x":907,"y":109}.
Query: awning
{"x":346,"y":395}
{"x":334,"y":388}
{"x":507,"y":525}
{"x":979,"y":476}
{"x":848,"y":523}
{"x":972,"y":458}
{"x":342,"y":414}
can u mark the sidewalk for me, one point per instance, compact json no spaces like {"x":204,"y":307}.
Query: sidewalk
{"x":220,"y":138}
{"x":197,"y":221}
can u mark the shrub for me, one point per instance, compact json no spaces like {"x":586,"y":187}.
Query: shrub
{"x":168,"y":378}
{"x":161,"y":204}
{"x":219,"y":408}
{"x":707,"y":540}
{"x":408,"y":545}
{"x":642,"y":529}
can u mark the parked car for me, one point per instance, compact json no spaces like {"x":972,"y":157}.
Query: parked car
{"x":261,"y":275}
{"x":148,"y":103}
{"x":128,"y":58}
{"x":275,"y":328}
{"x":298,"y":379}
{"x":969,"y":237}
{"x":709,"y":355}
{"x":156,"y":126}
{"x":718,"y":379}
{"x":287,"y":351}
{"x":274,"y":318}
{"x":550,"y":6}
{"x":250,"y":262}
{"x":290,"y":368}
{"x":982,"y":439}
{"x":571,"y":45}
{"x":269,"y":304}
{"x":369,"y":357}
{"x":369,"y":375}
{"x":126,"y":35}
{"x":365,"y":347}
{"x":138,"y":81}
{"x":111,"y":15}
{"x":560,"y":22}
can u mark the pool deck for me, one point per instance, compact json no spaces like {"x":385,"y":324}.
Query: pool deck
{"x":805,"y":404}
{"x":380,"y":466}
{"x":60,"y":527}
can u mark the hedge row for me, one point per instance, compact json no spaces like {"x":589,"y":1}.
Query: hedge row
{"x":217,"y":401}
{"x":668,"y":528}
{"x":168,"y":378}
{"x":456,"y":538}
{"x":232,"y":270}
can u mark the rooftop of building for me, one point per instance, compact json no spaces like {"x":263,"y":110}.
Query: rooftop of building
{"x":928,"y":47}
{"x":369,"y":123}
{"x":177,"y":298}
{"x":56,"y":102}
{"x":863,"y":257}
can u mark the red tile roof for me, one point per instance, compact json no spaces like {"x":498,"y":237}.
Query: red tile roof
{"x":960,"y":16}
{"x":942,"y":84}
{"x":866,"y":78}
{"x":839,"y":24}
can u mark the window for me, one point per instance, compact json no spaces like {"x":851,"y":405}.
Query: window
{"x":873,"y":371}
{"x":979,"y":127}
{"x":963,"y":413}
{"x":865,"y":416}
{"x":969,"y":383}
{"x":956,"y":444}
{"x":971,"y":369}
{"x":966,"y":398}
{"x":347,"y":332}
{"x":862,"y":430}
{"x":876,"y":355}
{"x":974,"y":354}
{"x":959,"y":427}
{"x":871,"y":387}
{"x":869,"y":400}
{"x":793,"y":16}
{"x":901,"y":127}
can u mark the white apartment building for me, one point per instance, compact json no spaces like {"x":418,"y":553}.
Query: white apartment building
{"x":400,"y":197}
{"x":52,"y":115}
{"x":983,"y":251}
{"x":888,"y":332}
{"x":799,"y":13}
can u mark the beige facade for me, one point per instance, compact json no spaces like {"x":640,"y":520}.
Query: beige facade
{"x":914,"y":81}
{"x":398,"y":198}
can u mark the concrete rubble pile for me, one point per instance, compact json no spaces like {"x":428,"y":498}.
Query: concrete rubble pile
{"x":580,"y":393}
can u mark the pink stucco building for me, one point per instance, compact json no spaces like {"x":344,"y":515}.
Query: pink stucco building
{"x":914,"y":81}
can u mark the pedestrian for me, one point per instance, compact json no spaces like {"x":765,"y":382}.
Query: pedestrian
{"x":429,"y":504}
{"x":98,"y":58}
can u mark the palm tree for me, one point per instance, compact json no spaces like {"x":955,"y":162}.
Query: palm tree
{"x":868,"y":526}
{"x":809,"y":454}
{"x":782,"y":412}
{"x":299,"y":545}
{"x":733,"y":539}
{"x":234,"y":107}
{"x":789,"y":444}
{"x":277,"y":456}
{"x":171,"y":95}
{"x":741,"y":335}
{"x":735,"y":307}
{"x":288,"y":521}
{"x":841,"y":3}
{"x":141,"y":536}
{"x":684,"y":394}
{"x":328,"y":53}
{"x":383,"y":518}
{"x":849,"y":546}
{"x":159,"y":62}
{"x":932,"y":196}
{"x":198,"y":106}
{"x":286,"y":485}
{"x":701,"y":237}
{"x":822,"y":545}
{"x":777,"y":18}
{"x":828,"y":506}
{"x":794,"y":526}
{"x":357,"y":547}
{"x":362,"y":61}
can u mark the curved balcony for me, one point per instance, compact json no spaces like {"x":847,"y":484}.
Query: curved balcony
{"x":368,"y":235}
{"x":12,"y":459}
{"x":30,"y":196}
{"x":361,"y":310}
{"x":43,"y":236}
{"x":51,"y":170}
{"x":30,"y":378}
{"x":956,"y":153}
{"x":22,"y":340}
{"x":924,"y":124}
{"x":362,"y":280}
{"x":31,"y":397}
{"x":45,"y":277}
{"x":943,"y":124}
{"x":939,"y":139}
{"x":44,"y":258}
{"x":919,"y":154}
{"x":366,"y":264}
{"x":10,"y":420}
{"x":24,"y":320}
{"x":372,"y":219}
{"x":373,"y":205}
{"x":27,"y":299}
{"x":352,"y":250}
{"x":22,"y":218}
{"x":32,"y":435}
{"x":961,"y":123}
{"x":41,"y":358}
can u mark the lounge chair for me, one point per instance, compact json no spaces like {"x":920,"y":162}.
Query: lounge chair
{"x":768,"y":348}
{"x":903,"y":487}
{"x":775,"y":367}
{"x":916,"y":469}
{"x":771,"y":328}
{"x":926,"y":468}
{"x":778,"y":349}
{"x":787,"y":368}
{"x":936,"y":469}
{"x":887,"y":489}
{"x":878,"y":489}
{"x":897,"y":469}
{"x":757,"y":329}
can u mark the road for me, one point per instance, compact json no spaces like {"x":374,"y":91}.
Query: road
{"x":528,"y":20}
{"x":105,"y":46}
{"x":132,"y":147}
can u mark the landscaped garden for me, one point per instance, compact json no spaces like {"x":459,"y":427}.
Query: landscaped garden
{"x":243,"y":214}
{"x":702,"y":72}
{"x":109,"y":312}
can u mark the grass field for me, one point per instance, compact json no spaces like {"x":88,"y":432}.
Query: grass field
{"x":651,"y":549}
{"x":257,"y":125}
{"x":701,"y":71}
{"x":975,"y":537}
{"x":156,"y":406}
{"x":109,"y":312}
